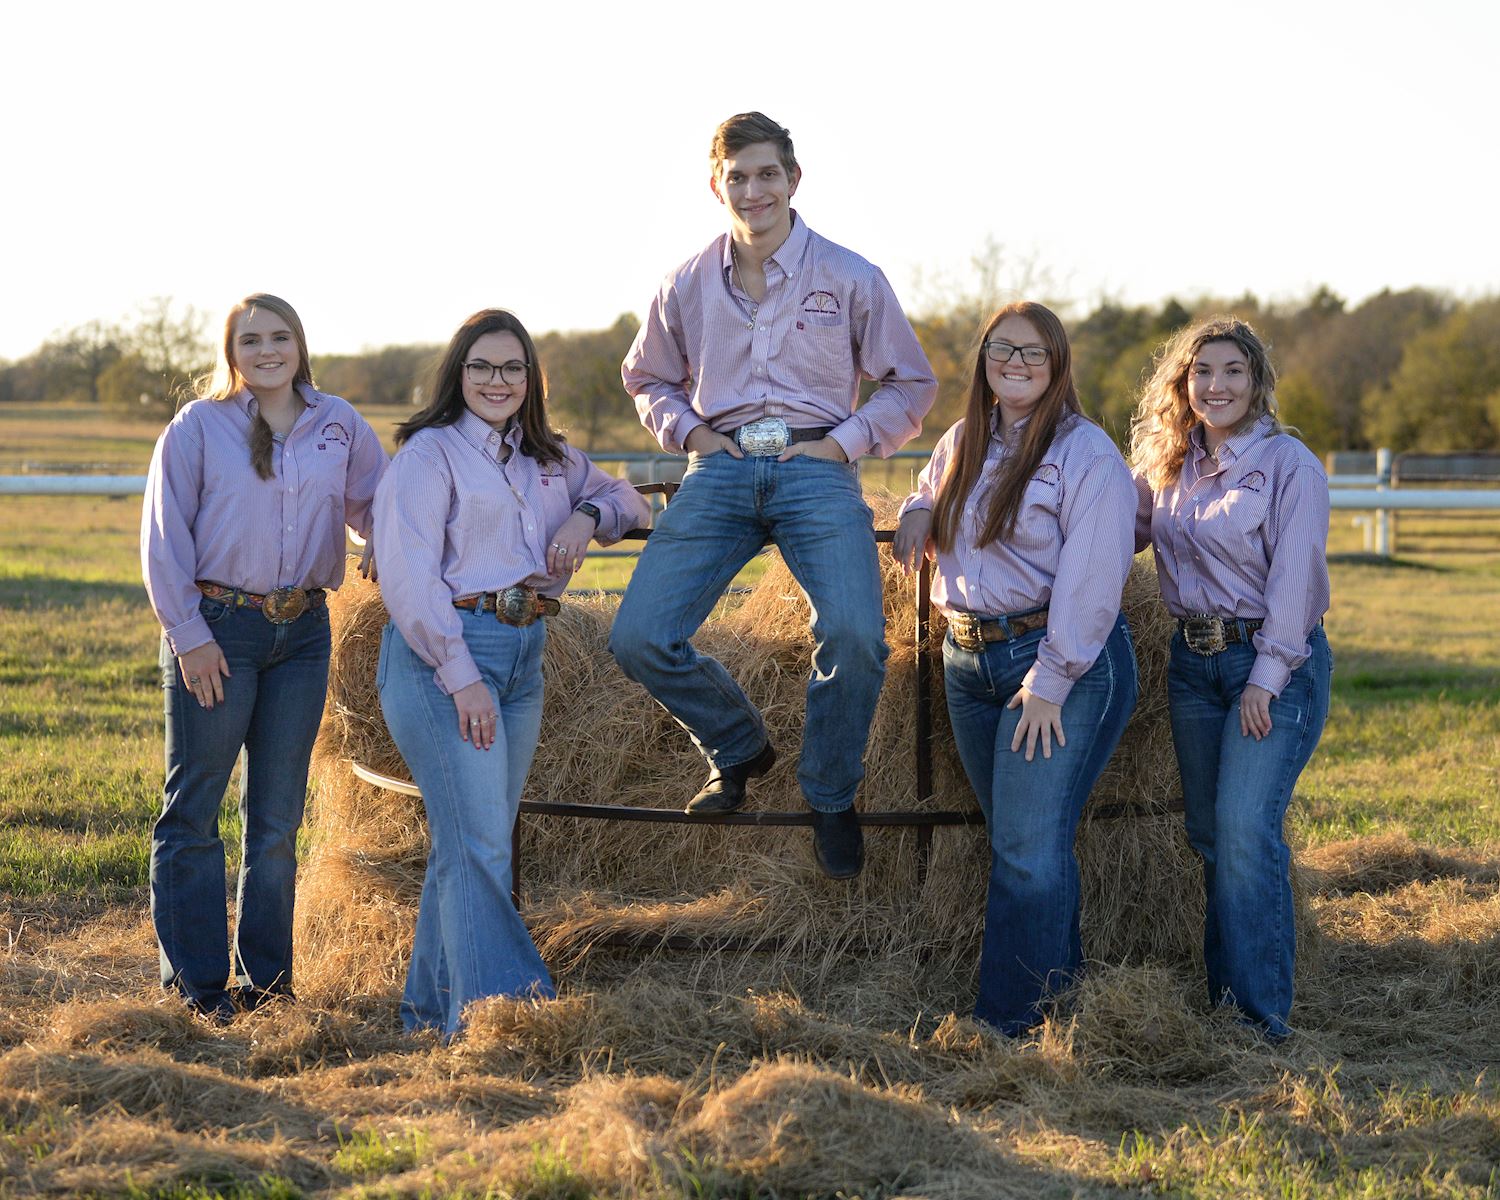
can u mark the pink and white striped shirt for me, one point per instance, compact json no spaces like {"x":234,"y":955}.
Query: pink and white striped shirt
{"x":208,"y":515}
{"x":457,"y":521}
{"x":828,"y":320}
{"x":1071,"y":548}
{"x":1247,"y":537}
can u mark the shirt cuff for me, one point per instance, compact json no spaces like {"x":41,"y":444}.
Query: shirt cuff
{"x":850,"y":441}
{"x":457,"y":673}
{"x":1269,"y":673}
{"x":1048,"y":684}
{"x":677,"y":433}
{"x":916,"y":502}
{"x":191,"y":634}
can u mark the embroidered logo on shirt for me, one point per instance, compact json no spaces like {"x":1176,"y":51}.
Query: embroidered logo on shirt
{"x":821,"y":308}
{"x":1253,"y":482}
{"x":335,"y":433}
{"x":1049,"y":474}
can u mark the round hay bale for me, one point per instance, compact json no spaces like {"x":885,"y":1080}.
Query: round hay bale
{"x":604,"y":741}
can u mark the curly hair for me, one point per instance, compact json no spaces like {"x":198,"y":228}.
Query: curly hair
{"x":1163,"y":421}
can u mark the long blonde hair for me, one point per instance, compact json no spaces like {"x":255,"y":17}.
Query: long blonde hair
{"x":227,"y":381}
{"x":1163,"y":421}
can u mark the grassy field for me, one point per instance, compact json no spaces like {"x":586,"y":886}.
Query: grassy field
{"x":107,"y":1089}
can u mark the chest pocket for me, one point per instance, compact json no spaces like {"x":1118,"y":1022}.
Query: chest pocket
{"x":1235,"y":524}
{"x":487,"y":512}
{"x":1036,"y":520}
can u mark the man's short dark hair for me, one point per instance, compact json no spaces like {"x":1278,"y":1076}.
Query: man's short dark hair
{"x":748,"y":129}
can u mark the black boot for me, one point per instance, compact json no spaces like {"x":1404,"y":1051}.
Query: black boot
{"x":724,"y":790}
{"x":838,"y":843}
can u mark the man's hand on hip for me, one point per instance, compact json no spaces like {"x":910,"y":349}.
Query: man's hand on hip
{"x":824,"y":447}
{"x":703,"y":440}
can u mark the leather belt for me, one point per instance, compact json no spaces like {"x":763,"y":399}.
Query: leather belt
{"x":519,"y":605}
{"x":281,"y":607}
{"x":971,"y":631}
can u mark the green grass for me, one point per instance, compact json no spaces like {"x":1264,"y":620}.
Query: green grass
{"x":1413,"y":738}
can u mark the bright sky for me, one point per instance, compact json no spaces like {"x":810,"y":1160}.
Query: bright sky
{"x":390,"y":168}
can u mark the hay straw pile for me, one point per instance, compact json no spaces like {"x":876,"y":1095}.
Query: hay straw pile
{"x":604,"y":741}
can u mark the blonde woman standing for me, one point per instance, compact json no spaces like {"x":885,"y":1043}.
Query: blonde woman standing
{"x":242,"y":536}
{"x":1236,"y":509}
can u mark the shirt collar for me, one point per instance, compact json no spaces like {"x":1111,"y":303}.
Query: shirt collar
{"x":250,"y":406}
{"x":788,"y":255}
{"x":1236,"y":444}
{"x":487,"y":441}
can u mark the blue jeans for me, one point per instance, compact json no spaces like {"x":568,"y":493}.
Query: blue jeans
{"x":1235,"y":791}
{"x":1031,"y":940}
{"x":273,"y":701}
{"x":724,"y":514}
{"x":470,"y":940}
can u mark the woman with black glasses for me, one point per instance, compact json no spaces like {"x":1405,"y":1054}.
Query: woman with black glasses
{"x":485,"y":514}
{"x":1027,"y":508}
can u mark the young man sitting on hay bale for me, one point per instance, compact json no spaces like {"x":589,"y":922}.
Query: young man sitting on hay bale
{"x":750,"y":359}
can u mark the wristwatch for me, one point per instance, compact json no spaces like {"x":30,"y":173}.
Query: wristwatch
{"x":590,"y":510}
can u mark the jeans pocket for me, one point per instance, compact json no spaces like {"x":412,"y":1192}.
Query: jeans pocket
{"x":382,"y":664}
{"x":214,"y":611}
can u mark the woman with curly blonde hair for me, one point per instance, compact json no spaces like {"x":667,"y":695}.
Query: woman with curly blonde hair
{"x":1236,"y":508}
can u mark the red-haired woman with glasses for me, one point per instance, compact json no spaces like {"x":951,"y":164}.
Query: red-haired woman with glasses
{"x":1027,"y":509}
{"x":485,"y":514}
{"x":242,"y":534}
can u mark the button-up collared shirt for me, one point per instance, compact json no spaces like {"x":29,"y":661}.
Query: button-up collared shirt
{"x":709,"y":354}
{"x":1246,"y":536}
{"x":1070,"y":550}
{"x":208,"y":515}
{"x":457,"y":517}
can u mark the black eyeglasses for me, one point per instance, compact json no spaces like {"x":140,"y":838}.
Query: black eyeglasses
{"x":1003,"y":352}
{"x":480,"y":372}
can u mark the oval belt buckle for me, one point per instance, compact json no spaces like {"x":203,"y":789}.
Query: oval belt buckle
{"x":284,"y":605}
{"x":516,"y":605}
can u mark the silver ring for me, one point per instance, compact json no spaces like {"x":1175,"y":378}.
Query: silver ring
{"x":193,"y":679}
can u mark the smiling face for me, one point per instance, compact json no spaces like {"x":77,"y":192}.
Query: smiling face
{"x":754,"y":186}
{"x":1017,"y":385}
{"x":497,"y":401}
{"x":1219,"y":390}
{"x":264,"y":351}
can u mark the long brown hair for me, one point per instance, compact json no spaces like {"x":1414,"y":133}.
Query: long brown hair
{"x":1164,"y":420}
{"x":538,"y":439}
{"x":967,"y":463}
{"x":227,"y":381}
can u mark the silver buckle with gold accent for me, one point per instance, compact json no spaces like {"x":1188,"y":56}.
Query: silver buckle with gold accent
{"x":769,"y":435}
{"x":284,"y":605}
{"x":1204,"y":634}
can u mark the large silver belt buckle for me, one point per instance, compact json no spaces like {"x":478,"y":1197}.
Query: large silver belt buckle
{"x":769,"y":435}
{"x":284,"y":605}
{"x":516,"y":605}
{"x":1204,"y":634}
{"x":967,"y":632}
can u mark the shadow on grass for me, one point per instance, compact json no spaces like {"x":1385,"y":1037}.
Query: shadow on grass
{"x":1361,"y":675}
{"x":34,"y":593}
{"x":1363,"y":559}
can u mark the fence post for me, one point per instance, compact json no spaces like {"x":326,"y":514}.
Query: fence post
{"x":1383,"y":541}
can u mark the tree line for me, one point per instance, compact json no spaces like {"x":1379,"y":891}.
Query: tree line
{"x":1413,"y":369}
